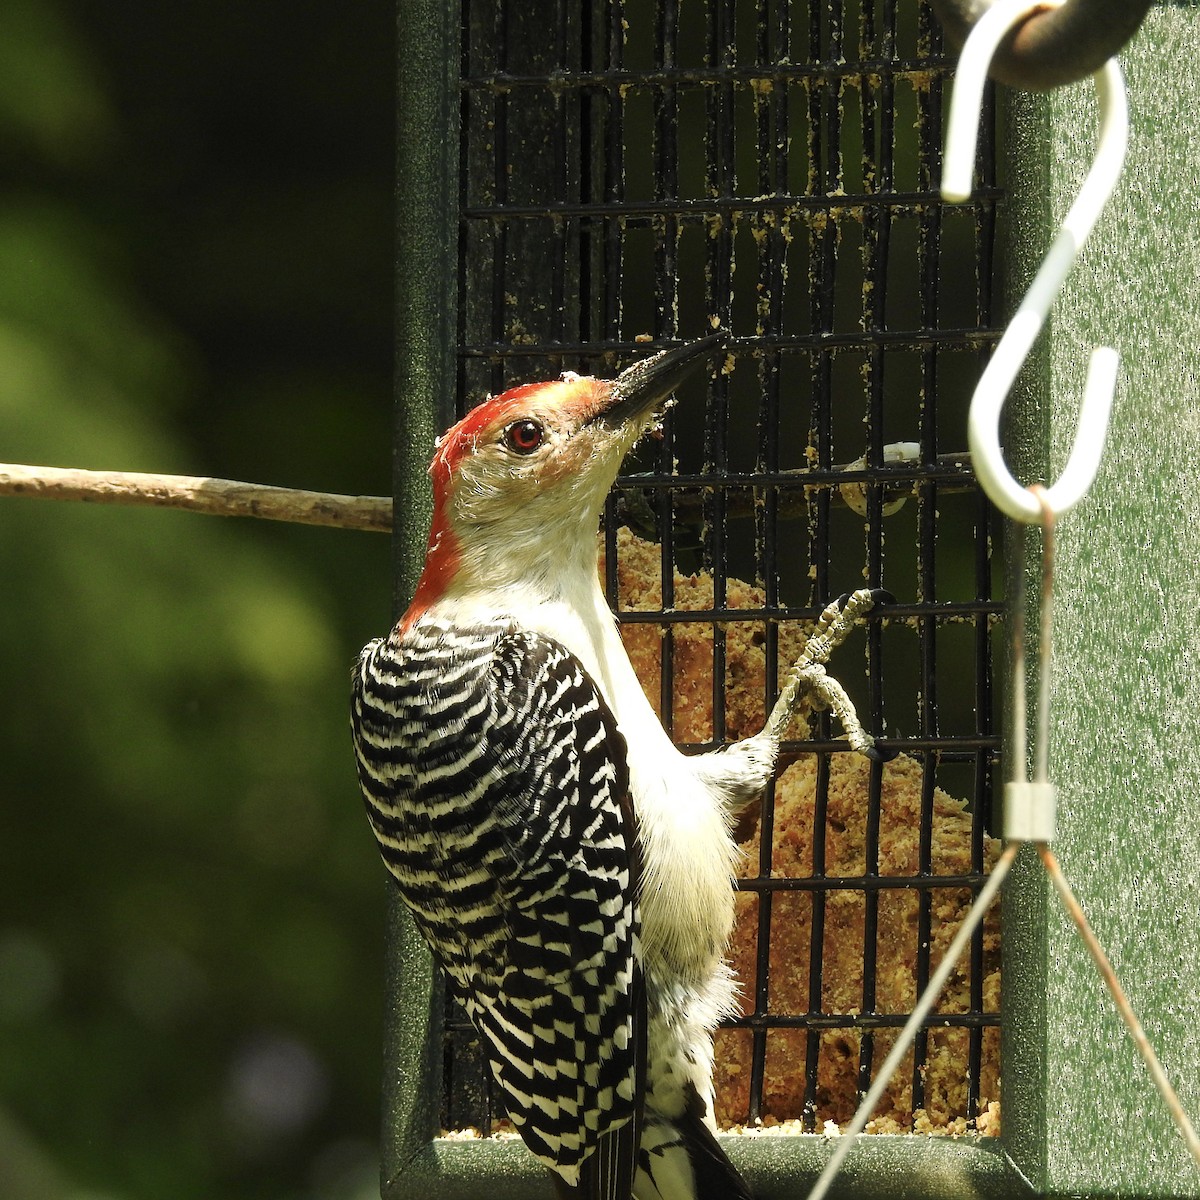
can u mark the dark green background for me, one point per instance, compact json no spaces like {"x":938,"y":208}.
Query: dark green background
{"x":195,"y":276}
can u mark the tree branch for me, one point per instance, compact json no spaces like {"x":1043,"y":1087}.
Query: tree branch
{"x":229,"y":498}
{"x":218,"y":497}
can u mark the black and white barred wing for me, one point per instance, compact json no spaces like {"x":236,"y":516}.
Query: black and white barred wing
{"x":496,"y":783}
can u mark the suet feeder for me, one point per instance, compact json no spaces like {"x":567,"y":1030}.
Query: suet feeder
{"x":580,"y":183}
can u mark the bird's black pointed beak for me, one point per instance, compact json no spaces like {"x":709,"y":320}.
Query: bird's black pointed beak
{"x":641,"y":388}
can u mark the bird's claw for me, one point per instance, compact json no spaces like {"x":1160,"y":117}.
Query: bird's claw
{"x":808,"y":675}
{"x":875,"y":752}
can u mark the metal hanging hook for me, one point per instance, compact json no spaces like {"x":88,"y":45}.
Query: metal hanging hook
{"x":1053,"y":46}
{"x":983,"y":427}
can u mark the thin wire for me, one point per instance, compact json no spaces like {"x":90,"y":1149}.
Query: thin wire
{"x":1041,"y":771}
{"x":1070,"y":903}
{"x":1140,"y":1040}
{"x":1020,"y":745}
{"x":922,"y":1009}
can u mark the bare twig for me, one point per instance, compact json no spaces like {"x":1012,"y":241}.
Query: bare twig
{"x":231,"y":498}
{"x":218,"y":497}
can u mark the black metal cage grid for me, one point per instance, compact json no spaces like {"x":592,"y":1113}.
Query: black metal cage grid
{"x":631,"y":174}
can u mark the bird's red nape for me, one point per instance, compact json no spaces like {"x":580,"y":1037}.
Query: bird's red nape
{"x":574,"y":398}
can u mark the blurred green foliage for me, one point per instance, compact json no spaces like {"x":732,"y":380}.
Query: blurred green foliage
{"x":195,"y":276}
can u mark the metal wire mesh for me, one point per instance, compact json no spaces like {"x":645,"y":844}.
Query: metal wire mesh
{"x":632,"y":172}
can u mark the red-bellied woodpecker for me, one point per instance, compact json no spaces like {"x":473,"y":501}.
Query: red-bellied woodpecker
{"x":569,"y":868}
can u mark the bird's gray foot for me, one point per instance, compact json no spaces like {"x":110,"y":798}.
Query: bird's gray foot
{"x":808,"y":676}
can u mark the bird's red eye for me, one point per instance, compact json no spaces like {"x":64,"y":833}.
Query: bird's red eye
{"x":524,"y":436}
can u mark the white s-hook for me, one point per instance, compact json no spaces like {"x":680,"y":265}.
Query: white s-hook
{"x":983,"y":425}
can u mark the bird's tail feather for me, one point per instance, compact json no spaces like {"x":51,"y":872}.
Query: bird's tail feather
{"x":681,"y":1159}
{"x":677,"y":1160}
{"x":608,"y":1172}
